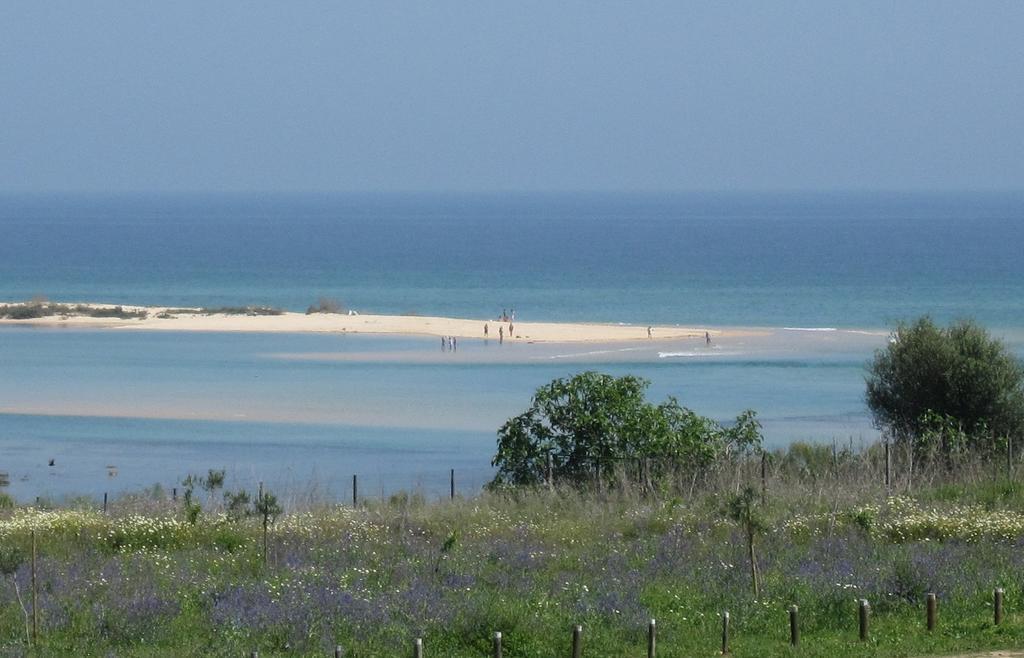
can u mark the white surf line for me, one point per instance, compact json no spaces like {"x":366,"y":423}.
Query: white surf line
{"x":670,"y":355}
{"x":862,"y":332}
{"x":591,"y":353}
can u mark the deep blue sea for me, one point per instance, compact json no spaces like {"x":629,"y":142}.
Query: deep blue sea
{"x":120,"y":410}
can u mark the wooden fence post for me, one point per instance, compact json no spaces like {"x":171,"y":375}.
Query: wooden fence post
{"x":764,"y":477}
{"x":338,"y":651}
{"x":888,"y":468}
{"x":794,"y":625}
{"x":417,"y":648}
{"x":452,"y":484}
{"x":497,"y":644}
{"x":997,"y":597}
{"x":864,"y":609}
{"x":35,"y":594}
{"x":104,"y":502}
{"x":577,"y":641}
{"x":355,"y":490}
{"x":725,"y":633}
{"x":932,"y":605}
{"x":652,"y":639}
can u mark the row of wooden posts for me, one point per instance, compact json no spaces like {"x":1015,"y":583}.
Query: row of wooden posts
{"x":549,"y":477}
{"x":863,"y":622}
{"x":355,"y":490}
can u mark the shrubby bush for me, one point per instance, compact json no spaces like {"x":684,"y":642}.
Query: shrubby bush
{"x":326,"y":305}
{"x":593,"y":423}
{"x":947,"y":389}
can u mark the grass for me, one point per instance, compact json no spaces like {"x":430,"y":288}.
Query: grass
{"x":41,"y":309}
{"x":143,"y":581}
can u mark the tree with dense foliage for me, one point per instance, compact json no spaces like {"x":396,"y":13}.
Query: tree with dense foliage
{"x":947,"y":388}
{"x":593,"y":423}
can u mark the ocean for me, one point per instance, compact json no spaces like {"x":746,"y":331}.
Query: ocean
{"x":119,"y":411}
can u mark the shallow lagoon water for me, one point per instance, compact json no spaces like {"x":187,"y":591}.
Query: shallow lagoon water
{"x":122,"y":410}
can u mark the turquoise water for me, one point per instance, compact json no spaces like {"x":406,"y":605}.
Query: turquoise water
{"x":776,"y":260}
{"x":157,"y":406}
{"x":121,"y":410}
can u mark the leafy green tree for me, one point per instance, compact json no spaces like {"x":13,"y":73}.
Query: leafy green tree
{"x":592,"y":422}
{"x":958,"y":377}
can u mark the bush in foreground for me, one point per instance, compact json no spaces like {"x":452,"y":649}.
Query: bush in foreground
{"x":947,"y":389}
{"x":594,"y":424}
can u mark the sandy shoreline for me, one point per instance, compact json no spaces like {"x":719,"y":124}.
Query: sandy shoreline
{"x":157,"y":319}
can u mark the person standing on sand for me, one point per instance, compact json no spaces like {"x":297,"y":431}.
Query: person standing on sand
{"x":510,"y":334}
{"x":649,"y":335}
{"x":707,"y":339}
{"x":501,"y":335}
{"x":485,"y":330}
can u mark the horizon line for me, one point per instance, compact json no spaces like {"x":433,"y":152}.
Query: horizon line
{"x":508,"y":192}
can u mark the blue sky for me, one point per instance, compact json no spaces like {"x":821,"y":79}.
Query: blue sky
{"x":480,"y":96}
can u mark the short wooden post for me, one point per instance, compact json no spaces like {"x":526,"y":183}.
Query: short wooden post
{"x":577,"y":641}
{"x":417,"y":648}
{"x":932,"y":606}
{"x":888,"y":468}
{"x":338,"y":651}
{"x":355,"y":490}
{"x":497,"y":644}
{"x":35,"y":593}
{"x":794,"y":625}
{"x":864,"y":609}
{"x":997,"y":597}
{"x":764,"y":477}
{"x":652,"y":639}
{"x":451,"y":483}
{"x":725,"y":633}
{"x":104,"y":502}
{"x":174,"y":494}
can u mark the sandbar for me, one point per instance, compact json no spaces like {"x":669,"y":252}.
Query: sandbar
{"x":160,"y":318}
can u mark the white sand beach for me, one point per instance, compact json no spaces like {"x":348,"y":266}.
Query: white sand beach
{"x":165,"y":319}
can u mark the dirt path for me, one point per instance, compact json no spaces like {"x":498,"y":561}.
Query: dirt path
{"x":992,"y":654}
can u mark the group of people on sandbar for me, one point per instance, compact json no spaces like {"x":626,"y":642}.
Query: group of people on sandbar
{"x":449,"y":343}
{"x":507,"y":316}
{"x":501,"y":331}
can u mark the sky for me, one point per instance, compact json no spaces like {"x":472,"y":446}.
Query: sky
{"x":480,"y":96}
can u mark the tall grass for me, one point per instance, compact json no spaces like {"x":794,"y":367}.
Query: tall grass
{"x":143,"y":581}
